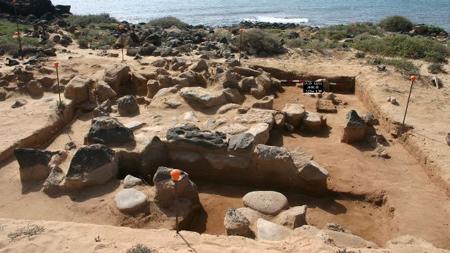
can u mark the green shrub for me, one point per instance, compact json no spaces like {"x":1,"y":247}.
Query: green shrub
{"x":139,"y":248}
{"x":167,"y":22}
{"x":404,"y":46}
{"x":401,"y":65}
{"x":396,"y":24}
{"x":260,"y":42}
{"x":85,"y":20}
{"x":339,"y":32}
{"x":436,"y":68}
{"x":296,"y":43}
{"x":95,"y":38}
{"x":428,"y":30}
{"x":10,"y":44}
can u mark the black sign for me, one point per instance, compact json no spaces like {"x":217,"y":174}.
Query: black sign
{"x":312,"y":87}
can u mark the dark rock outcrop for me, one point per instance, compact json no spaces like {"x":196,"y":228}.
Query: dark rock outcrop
{"x":109,"y":131}
{"x":37,"y":8}
{"x":193,"y":135}
{"x":91,"y":165}
{"x":33,"y":163}
{"x":127,"y":106}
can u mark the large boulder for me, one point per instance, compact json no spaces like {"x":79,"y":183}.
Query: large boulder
{"x":233,"y":95}
{"x":152,"y":88}
{"x":117,"y":77}
{"x":255,"y":115}
{"x":292,"y":218}
{"x":313,"y":122}
{"x":266,"y":230}
{"x":104,"y":92}
{"x":91,"y":165}
{"x":264,"y":81}
{"x":230,"y":79}
{"x":200,"y":66}
{"x":131,"y":201}
{"x":294,"y":113}
{"x":246,"y":84}
{"x":78,"y":89}
{"x":166,"y":192}
{"x":33,"y":163}
{"x":35,"y":89}
{"x":203,"y":97}
{"x":127,"y":106}
{"x":266,"y":202}
{"x":313,"y":172}
{"x":244,"y":71}
{"x":109,"y":131}
{"x":237,"y":224}
{"x":355,"y":128}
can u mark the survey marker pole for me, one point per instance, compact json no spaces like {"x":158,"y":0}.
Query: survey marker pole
{"x":13,"y":2}
{"x":176,"y":175}
{"x":413,"y":80}
{"x":241,"y":32}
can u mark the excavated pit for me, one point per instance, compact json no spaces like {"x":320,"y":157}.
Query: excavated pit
{"x":335,"y":201}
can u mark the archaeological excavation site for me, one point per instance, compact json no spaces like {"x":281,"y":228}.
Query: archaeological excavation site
{"x":195,"y":153}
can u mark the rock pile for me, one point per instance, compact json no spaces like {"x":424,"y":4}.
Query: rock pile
{"x":266,"y":216}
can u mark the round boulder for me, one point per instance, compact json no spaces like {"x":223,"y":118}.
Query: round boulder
{"x":127,"y":105}
{"x":266,"y":202}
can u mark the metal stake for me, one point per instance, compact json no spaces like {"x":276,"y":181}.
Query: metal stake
{"x":240,"y":44}
{"x":176,"y":207}
{"x":413,"y":79}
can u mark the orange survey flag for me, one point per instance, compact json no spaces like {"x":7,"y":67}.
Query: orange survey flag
{"x":13,"y":2}
{"x":175,"y":175}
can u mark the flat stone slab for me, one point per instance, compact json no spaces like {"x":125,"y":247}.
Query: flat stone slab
{"x":130,"y":200}
{"x":266,"y":202}
{"x":266,"y":230}
{"x":325,"y":106}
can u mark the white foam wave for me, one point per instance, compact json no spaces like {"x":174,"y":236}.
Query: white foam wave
{"x":278,"y":20}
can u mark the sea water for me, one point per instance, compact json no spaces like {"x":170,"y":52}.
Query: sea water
{"x":227,"y":12}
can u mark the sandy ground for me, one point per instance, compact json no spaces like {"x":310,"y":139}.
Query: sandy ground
{"x":417,"y":201}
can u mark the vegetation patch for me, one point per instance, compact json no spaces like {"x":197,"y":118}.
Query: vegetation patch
{"x":28,"y":231}
{"x":403,"y":66}
{"x":436,"y":68}
{"x":260,"y":42}
{"x":9,"y":42}
{"x":85,"y":20}
{"x":404,"y":46}
{"x":95,"y":38}
{"x":396,"y":24}
{"x":340,"y":32}
{"x":167,"y":22}
{"x":140,"y":248}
